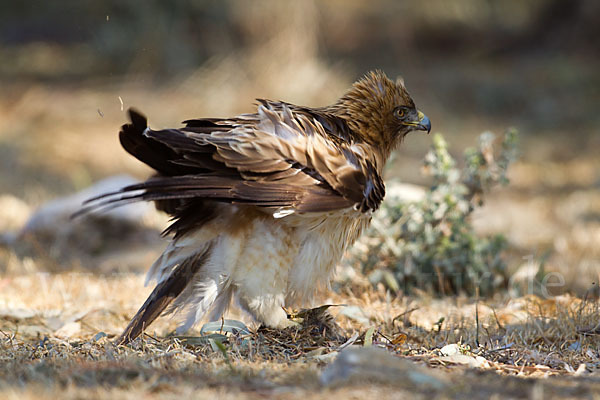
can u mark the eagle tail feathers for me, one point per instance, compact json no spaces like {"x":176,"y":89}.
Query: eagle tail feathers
{"x":165,"y":293}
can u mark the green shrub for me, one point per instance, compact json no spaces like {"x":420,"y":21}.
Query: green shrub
{"x":430,"y":244}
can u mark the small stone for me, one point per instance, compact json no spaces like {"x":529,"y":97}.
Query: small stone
{"x":359,"y":364}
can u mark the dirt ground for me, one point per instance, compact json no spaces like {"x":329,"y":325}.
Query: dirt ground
{"x":56,"y":332}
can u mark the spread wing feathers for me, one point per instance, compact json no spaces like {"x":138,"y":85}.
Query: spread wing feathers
{"x":279,"y":158}
{"x":163,"y":295}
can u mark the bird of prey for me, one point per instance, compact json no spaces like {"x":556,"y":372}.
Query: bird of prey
{"x":263,"y":204}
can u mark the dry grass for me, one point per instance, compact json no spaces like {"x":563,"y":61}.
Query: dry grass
{"x":56,"y":331}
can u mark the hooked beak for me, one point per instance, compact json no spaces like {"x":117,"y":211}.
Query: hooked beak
{"x":422,"y":124}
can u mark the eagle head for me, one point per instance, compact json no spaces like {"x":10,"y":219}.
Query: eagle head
{"x":380,"y":111}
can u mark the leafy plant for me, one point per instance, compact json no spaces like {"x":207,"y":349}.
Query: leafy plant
{"x":430,"y":243}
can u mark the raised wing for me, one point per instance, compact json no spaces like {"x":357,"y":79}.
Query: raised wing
{"x":279,"y":158}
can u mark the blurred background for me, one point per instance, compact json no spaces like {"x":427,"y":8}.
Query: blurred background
{"x":70,"y":70}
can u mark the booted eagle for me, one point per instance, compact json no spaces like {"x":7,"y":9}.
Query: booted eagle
{"x":263,"y":204}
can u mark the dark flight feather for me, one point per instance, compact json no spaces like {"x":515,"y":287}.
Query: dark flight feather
{"x":163,"y":295}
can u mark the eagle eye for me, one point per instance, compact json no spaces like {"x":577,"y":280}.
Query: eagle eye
{"x":400,"y":112}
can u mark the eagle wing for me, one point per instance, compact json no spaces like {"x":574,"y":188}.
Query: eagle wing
{"x":290,"y":161}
